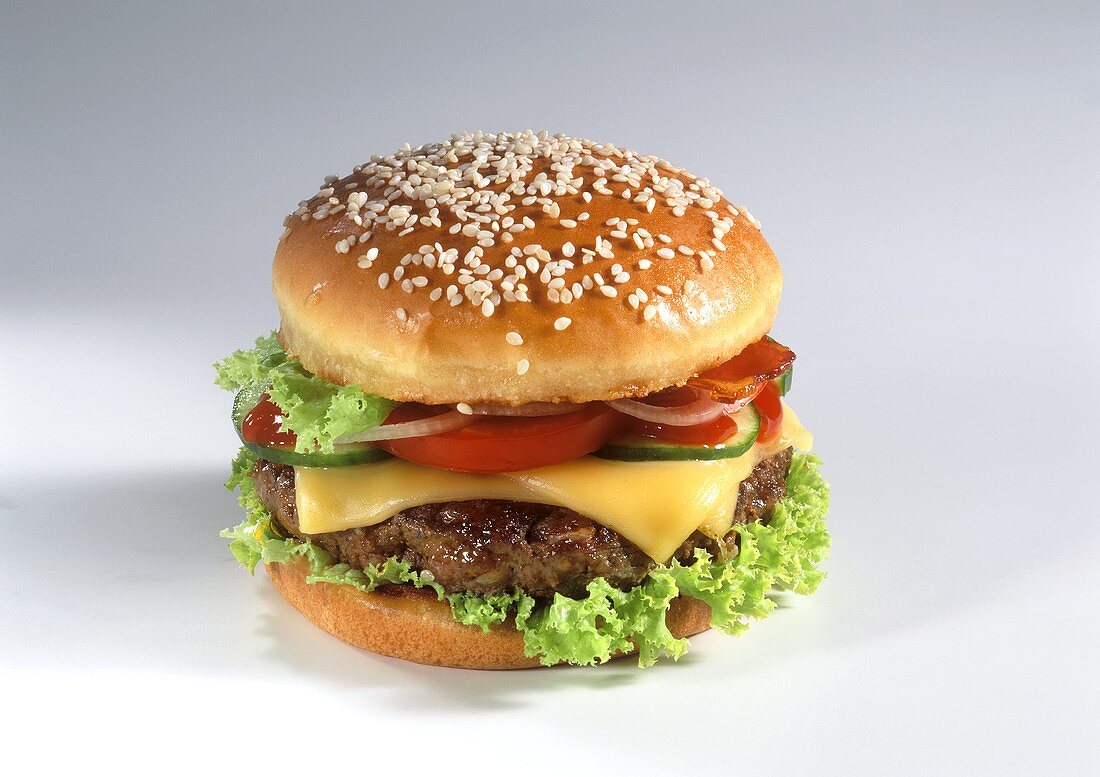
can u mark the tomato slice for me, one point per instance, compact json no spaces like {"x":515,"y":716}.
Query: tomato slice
{"x":710,"y":433}
{"x":770,"y":407}
{"x":506,"y":444}
{"x":263,"y":426}
{"x":740,"y":377}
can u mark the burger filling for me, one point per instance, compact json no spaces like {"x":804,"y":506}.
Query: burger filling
{"x":576,"y":523}
{"x":494,"y":546}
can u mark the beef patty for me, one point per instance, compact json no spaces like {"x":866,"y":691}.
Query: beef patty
{"x":491,"y":546}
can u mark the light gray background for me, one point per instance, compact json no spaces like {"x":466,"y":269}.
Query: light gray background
{"x":930,"y":178}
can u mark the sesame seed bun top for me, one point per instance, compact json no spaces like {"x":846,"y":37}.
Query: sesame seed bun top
{"x":519,"y":268}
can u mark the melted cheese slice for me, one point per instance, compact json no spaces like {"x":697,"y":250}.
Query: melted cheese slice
{"x":654,"y":504}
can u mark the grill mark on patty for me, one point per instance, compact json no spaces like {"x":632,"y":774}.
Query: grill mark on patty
{"x":490,"y":546}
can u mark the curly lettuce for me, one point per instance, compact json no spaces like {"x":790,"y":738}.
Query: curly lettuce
{"x":317,"y":411}
{"x":782,"y":554}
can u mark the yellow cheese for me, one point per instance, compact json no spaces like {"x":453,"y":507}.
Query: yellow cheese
{"x":654,"y":504}
{"x":791,"y":434}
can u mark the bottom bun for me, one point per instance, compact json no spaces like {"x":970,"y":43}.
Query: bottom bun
{"x":412,"y":624}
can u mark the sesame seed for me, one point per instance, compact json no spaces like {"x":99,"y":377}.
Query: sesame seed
{"x":666,"y":253}
{"x":513,"y":338}
{"x":562,"y":323}
{"x":522,"y":366}
{"x":464,"y":408}
{"x":663,"y":290}
{"x":718,"y":244}
{"x":401,"y":314}
{"x":476,"y":182}
{"x":649,"y":312}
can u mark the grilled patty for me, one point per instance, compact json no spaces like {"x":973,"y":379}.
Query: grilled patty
{"x":490,"y":546}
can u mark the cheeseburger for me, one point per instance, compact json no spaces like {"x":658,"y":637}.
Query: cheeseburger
{"x":523,"y":407}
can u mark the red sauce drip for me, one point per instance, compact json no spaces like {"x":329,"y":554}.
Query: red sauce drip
{"x":263,"y":426}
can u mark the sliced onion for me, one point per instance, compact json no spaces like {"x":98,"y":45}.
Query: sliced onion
{"x":530,"y":410}
{"x":436,"y":424}
{"x":700,"y":411}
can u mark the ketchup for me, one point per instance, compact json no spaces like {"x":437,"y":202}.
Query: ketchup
{"x":263,"y":426}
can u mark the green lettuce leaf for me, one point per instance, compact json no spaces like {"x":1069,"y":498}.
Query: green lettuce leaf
{"x":590,"y":630}
{"x":317,"y":411}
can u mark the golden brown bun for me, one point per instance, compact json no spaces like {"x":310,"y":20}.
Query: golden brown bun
{"x":418,"y":627}
{"x":699,"y":309}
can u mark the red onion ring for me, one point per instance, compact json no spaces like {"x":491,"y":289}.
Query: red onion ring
{"x":436,"y":424}
{"x":700,"y":411}
{"x":530,"y":410}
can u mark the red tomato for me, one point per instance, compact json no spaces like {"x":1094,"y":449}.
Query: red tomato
{"x":710,"y":433}
{"x":506,"y":444}
{"x":263,"y":426}
{"x":770,"y":407}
